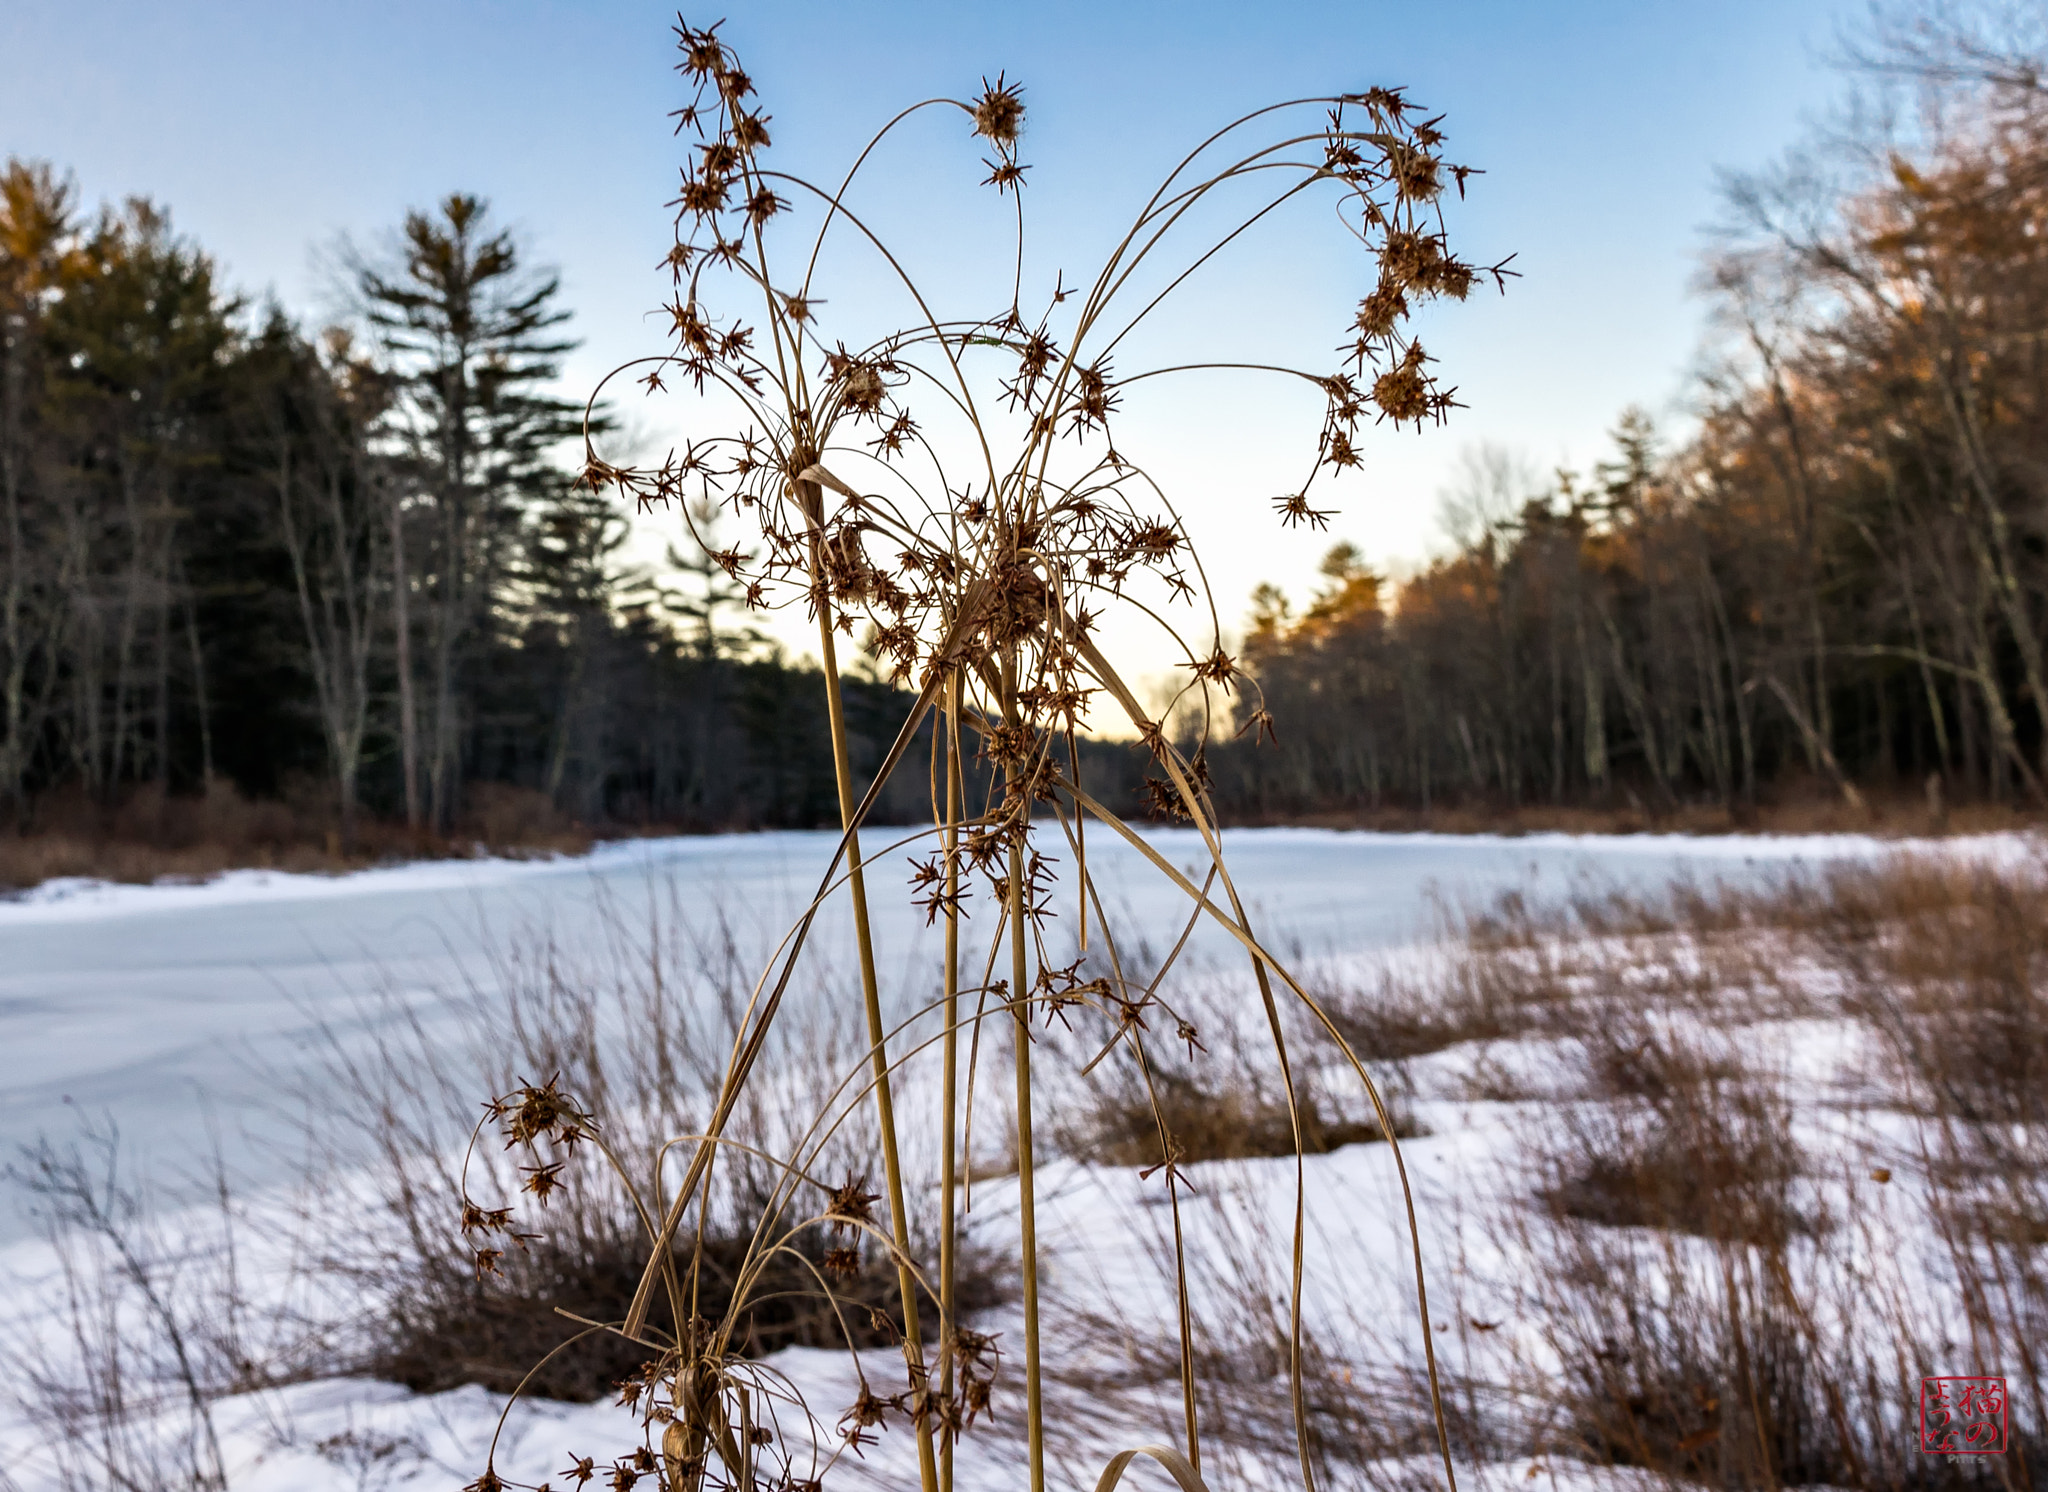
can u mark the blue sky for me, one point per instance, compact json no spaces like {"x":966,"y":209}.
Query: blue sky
{"x":269,"y":128}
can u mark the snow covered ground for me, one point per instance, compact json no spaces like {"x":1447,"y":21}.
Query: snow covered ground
{"x":183,"y":1012}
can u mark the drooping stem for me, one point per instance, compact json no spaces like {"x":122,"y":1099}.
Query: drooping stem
{"x":885,"y":1108}
{"x":1027,"y":1201}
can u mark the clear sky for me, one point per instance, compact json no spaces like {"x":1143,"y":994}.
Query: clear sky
{"x":271,"y":127}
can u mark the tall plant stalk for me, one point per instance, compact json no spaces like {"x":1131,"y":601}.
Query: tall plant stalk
{"x":968,"y":556}
{"x":1027,"y":1182}
{"x":949,"y":1100}
{"x":871,"y":997}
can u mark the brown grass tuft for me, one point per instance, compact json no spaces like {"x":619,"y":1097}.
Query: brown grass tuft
{"x":1223,"y":1115}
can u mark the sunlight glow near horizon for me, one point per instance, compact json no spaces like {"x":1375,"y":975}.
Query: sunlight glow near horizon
{"x":268,"y":130}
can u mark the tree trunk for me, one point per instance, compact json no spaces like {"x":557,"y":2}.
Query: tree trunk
{"x":401,"y":624}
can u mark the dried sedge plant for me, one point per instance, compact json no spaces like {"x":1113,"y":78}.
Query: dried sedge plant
{"x":1003,"y":521}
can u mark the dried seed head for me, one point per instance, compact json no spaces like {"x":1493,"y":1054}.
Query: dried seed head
{"x":1380,"y":312}
{"x":1415,"y":172}
{"x":542,"y":1181}
{"x":1218,"y":668}
{"x":1454,"y":278}
{"x":999,"y":112}
{"x":477,"y":1219}
{"x":703,"y":55}
{"x":844,"y":1262}
{"x":1411,"y":258}
{"x":867,"y":1412}
{"x":1003,"y":175}
{"x":880,"y":1324}
{"x":705,"y":193}
{"x":1294,"y":509}
{"x":852,"y":1205}
{"x":1402,"y":395}
{"x":864,"y":389}
{"x":545,"y":1112}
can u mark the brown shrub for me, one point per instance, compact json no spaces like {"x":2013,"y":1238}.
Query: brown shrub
{"x":677,"y":983}
{"x":444,"y":1327}
{"x":1678,"y":1136}
{"x":1703,"y":1371}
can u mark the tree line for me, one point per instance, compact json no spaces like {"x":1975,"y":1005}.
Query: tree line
{"x":1841,"y":577}
{"x":237,"y":551}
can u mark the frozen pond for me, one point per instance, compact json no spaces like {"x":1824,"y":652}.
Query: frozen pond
{"x":155,"y":1005}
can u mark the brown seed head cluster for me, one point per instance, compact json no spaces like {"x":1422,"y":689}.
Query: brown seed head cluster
{"x":999,"y":112}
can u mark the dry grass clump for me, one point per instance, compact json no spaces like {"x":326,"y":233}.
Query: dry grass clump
{"x":1678,"y":1136}
{"x":1371,"y":1421}
{"x":1570,"y":969}
{"x":637,"y":1024}
{"x":1696,"y":1365}
{"x":1714,"y":1304}
{"x":447,"y":1324}
{"x":1717,"y":1163}
{"x":150,"y":1318}
{"x":1215,"y":1106}
{"x":1408,"y":1015}
{"x":1950,"y":964}
{"x":1214,"y":1113}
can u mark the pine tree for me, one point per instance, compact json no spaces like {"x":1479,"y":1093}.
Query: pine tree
{"x":37,"y":233}
{"x":471,"y":335}
{"x":140,"y":342}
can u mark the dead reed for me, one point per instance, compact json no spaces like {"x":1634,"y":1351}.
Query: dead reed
{"x":948,"y":494}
